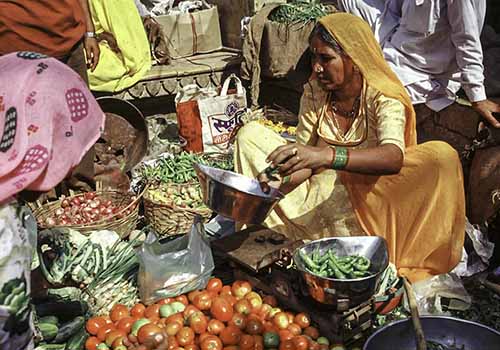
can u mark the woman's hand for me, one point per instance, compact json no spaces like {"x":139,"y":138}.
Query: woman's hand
{"x":110,"y":39}
{"x":294,"y":157}
{"x":92,"y":52}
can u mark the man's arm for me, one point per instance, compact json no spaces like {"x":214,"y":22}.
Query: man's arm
{"x":90,"y":42}
{"x":466,"y":18}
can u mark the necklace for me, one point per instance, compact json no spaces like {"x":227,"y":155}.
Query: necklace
{"x":351,"y":113}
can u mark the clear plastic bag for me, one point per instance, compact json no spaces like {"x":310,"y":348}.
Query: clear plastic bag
{"x":175,"y":267}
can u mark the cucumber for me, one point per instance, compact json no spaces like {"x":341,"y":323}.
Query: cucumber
{"x":68,"y":329}
{"x":49,"y":331}
{"x":77,"y":341}
{"x":51,"y":347}
{"x":49,"y":319}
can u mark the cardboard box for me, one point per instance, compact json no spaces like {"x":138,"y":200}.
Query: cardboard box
{"x":188,"y":34}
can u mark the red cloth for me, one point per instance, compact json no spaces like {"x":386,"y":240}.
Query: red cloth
{"x":50,"y":27}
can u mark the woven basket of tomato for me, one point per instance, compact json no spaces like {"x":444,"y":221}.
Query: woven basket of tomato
{"x":230,"y":317}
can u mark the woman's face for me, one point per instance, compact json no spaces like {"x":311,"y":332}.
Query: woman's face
{"x":333,"y":70}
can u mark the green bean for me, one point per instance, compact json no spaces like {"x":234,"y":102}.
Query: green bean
{"x":311,"y":265}
{"x":362,"y":264}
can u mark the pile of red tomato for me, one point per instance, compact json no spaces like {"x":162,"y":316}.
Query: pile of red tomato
{"x":217,"y":318}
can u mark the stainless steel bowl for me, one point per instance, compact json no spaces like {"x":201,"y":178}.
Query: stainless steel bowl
{"x":333,"y":291}
{"x":235,"y":196}
{"x":451,"y":332}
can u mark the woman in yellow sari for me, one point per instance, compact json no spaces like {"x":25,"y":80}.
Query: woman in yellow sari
{"x":356,"y":168}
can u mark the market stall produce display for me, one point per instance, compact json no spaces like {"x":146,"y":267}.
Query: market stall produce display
{"x":218,"y":317}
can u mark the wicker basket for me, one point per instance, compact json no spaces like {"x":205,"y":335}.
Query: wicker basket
{"x":167,"y":219}
{"x":121,"y":224}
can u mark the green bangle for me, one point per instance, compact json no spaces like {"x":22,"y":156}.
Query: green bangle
{"x":341,"y":158}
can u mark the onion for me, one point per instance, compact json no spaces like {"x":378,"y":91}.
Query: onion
{"x":107,"y":203}
{"x":94,"y":204}
{"x":89,"y":195}
{"x":65,"y":203}
{"x":76,"y":201}
{"x":59,"y":211}
{"x":50,"y":221}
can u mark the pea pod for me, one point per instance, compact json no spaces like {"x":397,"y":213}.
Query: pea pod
{"x":310,"y":264}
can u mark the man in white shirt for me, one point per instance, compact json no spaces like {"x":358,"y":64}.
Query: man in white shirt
{"x":433,"y":46}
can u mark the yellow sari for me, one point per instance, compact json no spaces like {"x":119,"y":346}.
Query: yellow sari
{"x":420,"y":211}
{"x":118,"y":71}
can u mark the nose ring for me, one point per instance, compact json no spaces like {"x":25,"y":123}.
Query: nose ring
{"x":318,"y":69}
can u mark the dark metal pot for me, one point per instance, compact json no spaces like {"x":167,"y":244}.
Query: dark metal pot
{"x":451,"y":332}
{"x":332,"y":291}
{"x":235,"y":196}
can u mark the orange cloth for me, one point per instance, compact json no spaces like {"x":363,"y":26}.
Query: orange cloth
{"x":421,"y":214}
{"x":50,"y":27}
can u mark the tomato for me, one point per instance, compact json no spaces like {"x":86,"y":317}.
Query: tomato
{"x":231,"y":347}
{"x":172,"y":328}
{"x":274,"y":311}
{"x":271,"y":339}
{"x":183,"y":299}
{"x":118,"y":342}
{"x":323,"y":341}
{"x":113,"y":335}
{"x":103,"y":331}
{"x":193,"y":294}
{"x":203,"y":301}
{"x":201,"y":337}
{"x":311,"y":332}
{"x":287,"y":345}
{"x":254,"y":298}
{"x":198,"y":322}
{"x":91,"y":343}
{"x":262,"y":311}
{"x":148,"y":332}
{"x":324,"y":347}
{"x":280,"y":320}
{"x":226,"y":290}
{"x":300,"y":342}
{"x":270,"y":300}
{"x":178,"y":317}
{"x":189,"y":310}
{"x":191,"y":347}
{"x":165,"y":301}
{"x":270,"y":327}
{"x":230,"y":298}
{"x":118,"y":312}
{"x":221,"y":309}
{"x":230,"y":335}
{"x":215,"y":326}
{"x":290,"y":317}
{"x":211,"y":342}
{"x":214,"y":285}
{"x":243,"y":306}
{"x":152,"y":311}
{"x":302,"y":320}
{"x":258,"y":342}
{"x":239,"y":321}
{"x":185,"y":336}
{"x":133,"y":339}
{"x":247,"y":342}
{"x":294,"y":329}
{"x":241,"y":288}
{"x":125,"y":324}
{"x":94,"y":324}
{"x":172,"y":342}
{"x":137,"y":310}
{"x":314,"y":346}
{"x":254,"y":327}
{"x":285,"y":334}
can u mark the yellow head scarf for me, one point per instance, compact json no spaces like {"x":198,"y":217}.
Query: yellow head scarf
{"x":357,"y":40}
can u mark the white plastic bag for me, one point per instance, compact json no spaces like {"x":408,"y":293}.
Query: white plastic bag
{"x":176,"y":267}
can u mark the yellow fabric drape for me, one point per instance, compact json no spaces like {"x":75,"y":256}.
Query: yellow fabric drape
{"x":118,"y":71}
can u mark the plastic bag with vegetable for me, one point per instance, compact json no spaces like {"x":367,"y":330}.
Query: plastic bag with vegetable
{"x":175,"y":267}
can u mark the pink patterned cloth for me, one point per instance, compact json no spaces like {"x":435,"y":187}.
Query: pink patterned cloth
{"x":48,"y":121}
